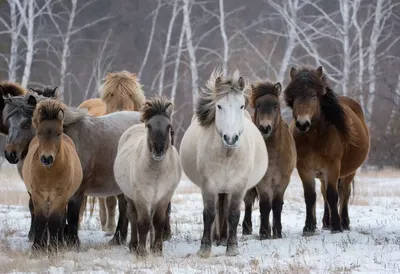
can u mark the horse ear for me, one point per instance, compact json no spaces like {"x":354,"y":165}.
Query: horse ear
{"x":60,"y":115}
{"x":241,"y":83}
{"x":320,"y":72}
{"x":218,"y":82}
{"x":32,"y":100}
{"x":32,"y":89}
{"x":133,"y":75}
{"x":169,"y":109}
{"x":278,"y":88}
{"x":293,"y":73}
{"x":53,"y":93}
{"x":7,"y":98}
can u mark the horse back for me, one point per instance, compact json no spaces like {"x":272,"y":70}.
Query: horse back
{"x":353,"y":105}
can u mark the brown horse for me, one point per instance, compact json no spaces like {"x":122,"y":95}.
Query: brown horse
{"x":95,"y":106}
{"x":52,"y":173}
{"x":264,"y":99}
{"x":332,"y":141}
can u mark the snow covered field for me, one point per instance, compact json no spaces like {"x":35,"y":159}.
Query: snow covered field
{"x":372,"y":245}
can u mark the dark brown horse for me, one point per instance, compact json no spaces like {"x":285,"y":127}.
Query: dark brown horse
{"x":8,"y":89}
{"x":332,"y":141}
{"x":264,"y":99}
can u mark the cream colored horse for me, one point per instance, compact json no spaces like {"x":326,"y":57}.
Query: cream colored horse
{"x":147,"y":170}
{"x":223,"y":153}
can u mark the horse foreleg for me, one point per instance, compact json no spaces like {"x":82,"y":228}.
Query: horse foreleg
{"x":56,"y":222}
{"x":31,"y":233}
{"x":209,"y":201}
{"x":40,"y":235}
{"x":133,"y":217}
{"x":249,"y":199}
{"x":310,"y":197}
{"x":122,"y":226}
{"x":233,"y":216}
{"x":332,"y":196}
{"x":74,"y":206}
{"x":159,"y":223}
{"x":265,"y":210}
{"x":277,"y":205}
{"x":111,"y":206}
{"x":326,"y":218}
{"x":344,"y":196}
{"x":167,"y":233}
{"x":143,"y":224}
{"x":102,"y":212}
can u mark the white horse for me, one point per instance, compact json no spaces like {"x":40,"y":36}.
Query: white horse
{"x":148,"y":170}
{"x":222,"y":151}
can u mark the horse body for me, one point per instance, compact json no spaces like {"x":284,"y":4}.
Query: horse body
{"x":147,"y":179}
{"x":282,"y":160}
{"x":332,"y":142}
{"x":52,"y":173}
{"x":223,"y":153}
{"x":95,"y":106}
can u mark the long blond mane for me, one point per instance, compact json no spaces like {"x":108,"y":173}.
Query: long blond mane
{"x":123,"y":85}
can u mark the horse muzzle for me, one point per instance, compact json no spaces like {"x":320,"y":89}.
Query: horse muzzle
{"x":47,"y":160}
{"x":12,"y":156}
{"x":158,"y":156}
{"x":265,"y":130}
{"x":230,"y":142}
{"x":303,"y":126}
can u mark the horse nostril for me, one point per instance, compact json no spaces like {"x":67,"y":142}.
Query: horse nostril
{"x":46,"y":160}
{"x":307,"y":124}
{"x":225,"y":138}
{"x":268,"y":129}
{"x":236,"y":138}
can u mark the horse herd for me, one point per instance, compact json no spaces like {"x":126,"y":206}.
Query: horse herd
{"x":121,"y":147}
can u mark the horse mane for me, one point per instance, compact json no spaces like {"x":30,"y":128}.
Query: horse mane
{"x":156,"y":106}
{"x":331,"y":108}
{"x":12,"y":89}
{"x":47,"y":110}
{"x":20,"y":104}
{"x":123,"y":84}
{"x":263,"y":88}
{"x":214,"y":91}
{"x":71,"y":116}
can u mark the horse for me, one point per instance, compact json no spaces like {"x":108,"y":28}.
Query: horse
{"x":52,"y":173}
{"x":96,"y":153}
{"x":264,"y":99}
{"x":120,"y":91}
{"x":230,"y":156}
{"x":8,"y":89}
{"x":332,"y":141}
{"x":148,"y":170}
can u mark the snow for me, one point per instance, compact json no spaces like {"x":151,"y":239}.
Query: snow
{"x":372,"y":245}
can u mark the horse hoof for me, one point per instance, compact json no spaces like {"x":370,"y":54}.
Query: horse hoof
{"x":277,"y":235}
{"x":265,"y":237}
{"x":166,"y":237}
{"x":115,"y":241}
{"x":204,"y":252}
{"x":325,"y":227}
{"x":109,"y":233}
{"x":140,"y":253}
{"x":232,"y":251}
{"x":334,"y":231}
{"x":247,"y":230}
{"x":222,"y":242}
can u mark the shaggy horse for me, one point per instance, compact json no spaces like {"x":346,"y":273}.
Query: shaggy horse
{"x":264,"y":99}
{"x":332,"y":141}
{"x":96,"y":153}
{"x":52,"y":173}
{"x":8,"y":89}
{"x":148,"y":170}
{"x":228,"y":159}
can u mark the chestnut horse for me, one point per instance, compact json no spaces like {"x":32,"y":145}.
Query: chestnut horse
{"x":264,"y":99}
{"x":332,"y":142}
{"x":52,"y":173}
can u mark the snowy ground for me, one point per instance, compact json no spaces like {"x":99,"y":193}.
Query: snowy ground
{"x":372,"y":246}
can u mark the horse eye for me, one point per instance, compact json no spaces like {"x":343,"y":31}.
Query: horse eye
{"x":242,"y":107}
{"x":219,"y":107}
{"x":314,"y":95}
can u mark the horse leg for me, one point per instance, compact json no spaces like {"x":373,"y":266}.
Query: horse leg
{"x":326,"y":219}
{"x":56,"y":223}
{"x":74,"y":205}
{"x":277,"y":205}
{"x":332,"y":197}
{"x":111,"y":205}
{"x":167,"y":234}
{"x":122,"y":226}
{"x":144,"y":225}
{"x":233,"y":215}
{"x":133,"y":217}
{"x":249,"y":199}
{"x":310,"y":197}
{"x":158,"y":223}
{"x":82,"y":209}
{"x":40,"y":235}
{"x":265,"y":204}
{"x":209,"y":211}
{"x":31,"y":233}
{"x":344,"y":194}
{"x":223,"y":224}
{"x":102,"y":213}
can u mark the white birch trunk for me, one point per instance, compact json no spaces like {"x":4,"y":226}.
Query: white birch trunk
{"x":29,"y":43}
{"x":224,"y":38}
{"x":177,"y":64}
{"x":166,"y":48}
{"x":344,"y":9}
{"x":15,"y":31}
{"x":360,"y":72}
{"x":191,"y":50}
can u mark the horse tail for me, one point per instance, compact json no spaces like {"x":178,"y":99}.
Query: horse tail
{"x":353,"y":192}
